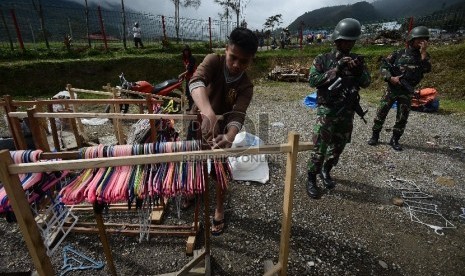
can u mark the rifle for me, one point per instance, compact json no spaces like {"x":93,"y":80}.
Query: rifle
{"x":351,"y":98}
{"x":395,"y":72}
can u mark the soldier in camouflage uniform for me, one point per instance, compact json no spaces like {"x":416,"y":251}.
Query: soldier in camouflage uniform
{"x":402,"y":70}
{"x":336,"y":103}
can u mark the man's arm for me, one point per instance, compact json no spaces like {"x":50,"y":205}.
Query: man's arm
{"x":209,"y":121}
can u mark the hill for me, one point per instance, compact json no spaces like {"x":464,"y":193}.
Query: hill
{"x":389,"y":9}
{"x":329,"y":16}
{"x":380,"y":10}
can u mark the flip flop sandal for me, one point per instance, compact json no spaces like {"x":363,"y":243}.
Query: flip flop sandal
{"x":218,"y":227}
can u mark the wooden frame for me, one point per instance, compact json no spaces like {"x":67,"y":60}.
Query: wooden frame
{"x":9,"y":176}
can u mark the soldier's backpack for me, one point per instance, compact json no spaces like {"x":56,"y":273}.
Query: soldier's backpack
{"x":427,"y":102}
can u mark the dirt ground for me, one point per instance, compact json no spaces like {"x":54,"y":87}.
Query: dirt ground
{"x":355,"y":229}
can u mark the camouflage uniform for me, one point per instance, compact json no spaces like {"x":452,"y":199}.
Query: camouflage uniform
{"x":334,"y":123}
{"x":412,"y":67}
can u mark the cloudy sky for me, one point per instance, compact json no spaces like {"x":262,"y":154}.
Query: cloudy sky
{"x":255,"y":13}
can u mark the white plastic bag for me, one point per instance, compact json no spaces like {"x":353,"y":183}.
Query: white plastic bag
{"x":249,"y":167}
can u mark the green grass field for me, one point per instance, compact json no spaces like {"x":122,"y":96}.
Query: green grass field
{"x":41,"y":72}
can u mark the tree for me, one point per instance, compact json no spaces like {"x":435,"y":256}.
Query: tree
{"x":185,"y":3}
{"x":40,"y":13}
{"x":225,"y":4}
{"x":272,"y":21}
{"x":234,"y":5}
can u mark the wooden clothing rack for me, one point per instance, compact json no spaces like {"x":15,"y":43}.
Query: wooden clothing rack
{"x":114,"y":100}
{"x":9,"y":177}
{"x":37,"y":117}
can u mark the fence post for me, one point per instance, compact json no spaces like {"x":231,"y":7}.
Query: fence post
{"x":164,"y":28}
{"x":102,"y":28}
{"x":410,"y":25}
{"x":123,"y":14}
{"x":87,"y":25}
{"x":18,"y":31}
{"x":210,"y":31}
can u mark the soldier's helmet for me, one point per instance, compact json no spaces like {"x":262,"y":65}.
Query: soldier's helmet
{"x":348,"y":29}
{"x":418,"y":32}
{"x":136,"y":24}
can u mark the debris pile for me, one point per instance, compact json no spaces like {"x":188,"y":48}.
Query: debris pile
{"x":289,"y":74}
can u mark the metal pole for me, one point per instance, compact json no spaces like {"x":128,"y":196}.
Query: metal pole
{"x":210,"y":31}
{"x":87,"y":24}
{"x":18,"y":31}
{"x":123,"y":14}
{"x":102,"y":28}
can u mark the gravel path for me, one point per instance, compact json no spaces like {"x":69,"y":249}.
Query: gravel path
{"x":354,"y":229}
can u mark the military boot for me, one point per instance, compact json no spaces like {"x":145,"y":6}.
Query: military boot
{"x":312,"y":189}
{"x":326,"y":177}
{"x":374,"y":138}
{"x":395,"y":143}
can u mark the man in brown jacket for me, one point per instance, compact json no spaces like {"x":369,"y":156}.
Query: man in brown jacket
{"x":220,"y":86}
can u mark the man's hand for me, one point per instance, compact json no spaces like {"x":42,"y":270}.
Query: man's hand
{"x":395,"y":80}
{"x":222,"y":141}
{"x":209,"y":126}
{"x":423,"y":47}
{"x":343,"y":63}
{"x":355,"y":66}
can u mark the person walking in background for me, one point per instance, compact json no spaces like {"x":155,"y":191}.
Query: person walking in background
{"x":282,"y":39}
{"x":402,"y":70}
{"x":189,"y":64}
{"x":220,"y":86}
{"x":319,"y":38}
{"x":338,"y":76}
{"x":137,"y":36}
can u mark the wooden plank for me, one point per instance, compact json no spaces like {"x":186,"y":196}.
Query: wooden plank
{"x":187,"y":229}
{"x":61,"y":165}
{"x":112,"y":207}
{"x":53,"y":126}
{"x":293,"y":140}
{"x":15,"y":103}
{"x":95,"y":92}
{"x":190,"y":244}
{"x":108,"y":115}
{"x":271,"y":269}
{"x":105,"y":243}
{"x":191,"y":264}
{"x":14,"y":125}
{"x":304,"y":146}
{"x":73,"y":126}
{"x":153,"y":130}
{"x":80,"y":127}
{"x":39,"y":136}
{"x":157,"y":215}
{"x":128,"y":232}
{"x":24,"y":217}
{"x":155,"y":97}
{"x":120,"y":134}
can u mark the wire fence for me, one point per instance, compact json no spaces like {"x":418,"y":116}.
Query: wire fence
{"x":22,"y":22}
{"x":21,"y":26}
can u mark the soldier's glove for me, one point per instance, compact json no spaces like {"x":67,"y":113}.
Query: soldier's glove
{"x":416,"y":94}
{"x":356,"y":67}
{"x":343,"y":63}
{"x":331,"y":75}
